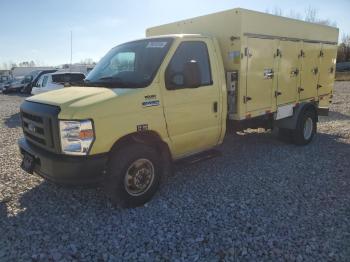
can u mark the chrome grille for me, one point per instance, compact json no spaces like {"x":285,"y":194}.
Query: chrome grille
{"x":40,"y":125}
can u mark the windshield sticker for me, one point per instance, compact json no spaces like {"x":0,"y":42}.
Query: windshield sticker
{"x":151,"y":103}
{"x":156,"y":44}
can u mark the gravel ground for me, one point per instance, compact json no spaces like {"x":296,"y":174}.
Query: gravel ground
{"x":261,"y":200}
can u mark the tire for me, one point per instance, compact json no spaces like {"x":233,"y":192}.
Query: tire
{"x":124,"y":192}
{"x":306,"y":128}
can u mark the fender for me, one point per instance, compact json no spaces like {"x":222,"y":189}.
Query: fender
{"x":291,"y":122}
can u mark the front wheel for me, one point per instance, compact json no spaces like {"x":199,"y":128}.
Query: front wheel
{"x":306,"y":128}
{"x":134,"y":174}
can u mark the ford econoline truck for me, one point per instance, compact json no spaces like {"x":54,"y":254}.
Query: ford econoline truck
{"x":177,"y":93}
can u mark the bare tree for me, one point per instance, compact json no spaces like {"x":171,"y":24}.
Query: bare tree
{"x":344,"y":49}
{"x":311,"y":15}
{"x":87,"y":61}
{"x":278,"y":11}
{"x":295,"y":15}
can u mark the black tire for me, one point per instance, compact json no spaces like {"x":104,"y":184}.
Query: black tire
{"x":119,"y":164}
{"x":285,"y":135}
{"x":299,"y":137}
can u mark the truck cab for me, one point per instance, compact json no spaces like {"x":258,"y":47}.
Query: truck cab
{"x":164,"y":92}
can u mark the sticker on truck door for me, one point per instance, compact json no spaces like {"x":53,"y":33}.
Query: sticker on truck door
{"x":150,"y":100}
{"x":235,"y":56}
{"x":151,"y":103}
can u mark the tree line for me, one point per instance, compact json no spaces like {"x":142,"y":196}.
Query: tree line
{"x":311,"y":15}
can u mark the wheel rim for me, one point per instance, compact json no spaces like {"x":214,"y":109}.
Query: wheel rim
{"x":139,"y":177}
{"x":308,"y":127}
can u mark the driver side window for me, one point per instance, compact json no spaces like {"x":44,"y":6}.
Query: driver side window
{"x":189,"y":67}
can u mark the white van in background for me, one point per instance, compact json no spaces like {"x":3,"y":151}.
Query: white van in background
{"x":58,"y":80}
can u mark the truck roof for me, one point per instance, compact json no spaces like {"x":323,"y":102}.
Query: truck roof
{"x":241,"y":22}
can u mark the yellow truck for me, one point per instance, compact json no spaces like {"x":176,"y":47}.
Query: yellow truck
{"x":177,"y":93}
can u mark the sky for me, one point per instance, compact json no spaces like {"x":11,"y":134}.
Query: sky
{"x":39,"y":30}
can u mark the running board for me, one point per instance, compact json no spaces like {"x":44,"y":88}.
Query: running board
{"x":199,"y":157}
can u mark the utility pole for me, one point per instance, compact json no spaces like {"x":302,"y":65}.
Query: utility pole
{"x":71,"y":50}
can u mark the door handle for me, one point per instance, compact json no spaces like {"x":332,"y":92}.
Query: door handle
{"x":277,"y":93}
{"x":215,"y":107}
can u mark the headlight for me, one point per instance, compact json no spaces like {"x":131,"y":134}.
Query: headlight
{"x":76,"y":137}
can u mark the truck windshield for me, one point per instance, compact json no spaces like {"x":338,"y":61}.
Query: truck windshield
{"x":130,"y":65}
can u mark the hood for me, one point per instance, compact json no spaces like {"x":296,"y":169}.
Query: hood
{"x":77,"y":96}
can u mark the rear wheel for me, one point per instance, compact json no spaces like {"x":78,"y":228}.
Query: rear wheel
{"x":134,"y":175}
{"x":306,"y":128}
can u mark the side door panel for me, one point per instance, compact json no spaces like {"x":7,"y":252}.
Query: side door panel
{"x":260,"y":70}
{"x":193,"y":122}
{"x":288,"y":72}
{"x":309,"y":70}
{"x":327,"y":69}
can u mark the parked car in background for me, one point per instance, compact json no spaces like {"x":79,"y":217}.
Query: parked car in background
{"x":14,"y":85}
{"x":53,"y":81}
{"x":4,"y":80}
{"x":32,"y":79}
{"x":343,"y":67}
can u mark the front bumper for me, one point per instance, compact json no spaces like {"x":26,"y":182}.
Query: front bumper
{"x":64,"y":169}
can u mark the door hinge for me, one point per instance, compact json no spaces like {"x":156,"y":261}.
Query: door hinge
{"x":247,"y":52}
{"x":300,"y":89}
{"x":277,"y":93}
{"x":278,"y":53}
{"x":319,"y":86}
{"x":301,"y":54}
{"x":246,"y":99}
{"x":295,"y":72}
{"x":321,"y":54}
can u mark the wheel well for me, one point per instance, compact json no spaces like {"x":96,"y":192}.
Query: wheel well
{"x":152,"y":139}
{"x":313,"y":107}
{"x":149,"y":138}
{"x":290,"y":123}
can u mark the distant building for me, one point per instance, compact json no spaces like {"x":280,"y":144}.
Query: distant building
{"x":5,"y":72}
{"x":78,"y":68}
{"x":23,"y":71}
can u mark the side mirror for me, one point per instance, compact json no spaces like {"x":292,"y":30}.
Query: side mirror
{"x":175,"y":81}
{"x":190,"y":77}
{"x":192,"y":74}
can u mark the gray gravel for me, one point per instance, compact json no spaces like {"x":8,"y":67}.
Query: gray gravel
{"x":261,"y":200}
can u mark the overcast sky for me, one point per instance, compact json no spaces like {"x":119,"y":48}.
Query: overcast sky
{"x":39,"y":30}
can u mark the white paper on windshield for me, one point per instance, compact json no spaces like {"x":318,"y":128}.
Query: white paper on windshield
{"x":156,"y":44}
